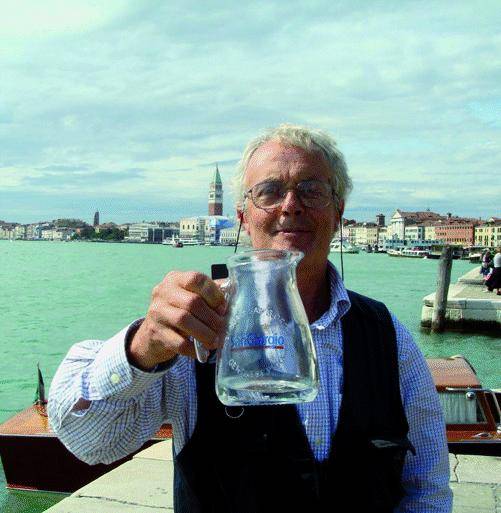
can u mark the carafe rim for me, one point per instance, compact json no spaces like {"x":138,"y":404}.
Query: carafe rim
{"x":246,"y":257}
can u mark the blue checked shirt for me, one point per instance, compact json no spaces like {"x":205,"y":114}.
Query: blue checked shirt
{"x":127,"y":405}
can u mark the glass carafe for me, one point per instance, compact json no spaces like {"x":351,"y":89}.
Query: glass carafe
{"x":268,"y":355}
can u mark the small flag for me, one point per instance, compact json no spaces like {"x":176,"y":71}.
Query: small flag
{"x":40,"y":394}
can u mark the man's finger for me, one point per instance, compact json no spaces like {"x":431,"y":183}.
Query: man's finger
{"x":188,"y":325}
{"x":202,"y":285}
{"x":198,"y":307}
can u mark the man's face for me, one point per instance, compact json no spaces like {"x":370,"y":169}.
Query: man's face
{"x":290,"y":225}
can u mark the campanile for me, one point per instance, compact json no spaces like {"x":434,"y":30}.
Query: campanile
{"x":216,"y":195}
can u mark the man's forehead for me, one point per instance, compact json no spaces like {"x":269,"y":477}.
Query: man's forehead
{"x":274,"y":155}
{"x":276,"y":151}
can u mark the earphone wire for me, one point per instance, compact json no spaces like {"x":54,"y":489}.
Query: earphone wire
{"x":341,"y":245}
{"x":238,"y":235}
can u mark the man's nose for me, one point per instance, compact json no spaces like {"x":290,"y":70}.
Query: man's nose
{"x":291,"y":203}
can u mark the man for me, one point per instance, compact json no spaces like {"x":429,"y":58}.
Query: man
{"x":372,"y":440}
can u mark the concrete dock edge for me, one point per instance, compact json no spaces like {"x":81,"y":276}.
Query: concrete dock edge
{"x":469,"y":307}
{"x":144,"y":485}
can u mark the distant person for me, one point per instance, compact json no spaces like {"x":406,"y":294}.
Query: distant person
{"x":494,"y":280}
{"x":485,"y":267}
{"x":374,"y":438}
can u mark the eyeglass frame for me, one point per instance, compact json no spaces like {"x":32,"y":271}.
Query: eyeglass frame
{"x":248,"y":194}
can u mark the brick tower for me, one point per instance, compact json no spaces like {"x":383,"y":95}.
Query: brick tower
{"x":216,"y":195}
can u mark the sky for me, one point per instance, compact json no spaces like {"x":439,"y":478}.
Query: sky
{"x":127,"y":106}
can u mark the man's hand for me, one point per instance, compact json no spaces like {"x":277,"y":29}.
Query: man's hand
{"x":184,"y":304}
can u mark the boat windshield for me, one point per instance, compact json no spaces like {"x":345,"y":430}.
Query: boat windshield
{"x":462,"y":408}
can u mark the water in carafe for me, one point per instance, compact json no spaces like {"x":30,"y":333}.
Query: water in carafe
{"x":268,"y":355}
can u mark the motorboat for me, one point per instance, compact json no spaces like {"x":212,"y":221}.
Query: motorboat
{"x":346,"y":247}
{"x":34,"y":459}
{"x":475,"y":258}
{"x":471,"y":412}
{"x":414,"y":253}
{"x":173,"y":242}
{"x":409,"y":252}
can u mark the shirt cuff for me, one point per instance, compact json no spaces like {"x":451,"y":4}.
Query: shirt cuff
{"x":129,"y":335}
{"x":111,"y":375}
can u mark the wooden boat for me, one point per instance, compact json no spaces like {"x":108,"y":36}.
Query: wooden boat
{"x":34,"y":459}
{"x":472,"y":413}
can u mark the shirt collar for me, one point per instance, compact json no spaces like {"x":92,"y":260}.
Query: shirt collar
{"x":340,"y":302}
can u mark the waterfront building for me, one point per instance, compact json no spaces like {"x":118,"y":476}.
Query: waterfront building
{"x":161,"y":233}
{"x":6,"y":231}
{"x":151,"y":232}
{"x":400,"y":220}
{"x":414,"y":232}
{"x":58,"y":234}
{"x":20,"y":231}
{"x":429,"y":231}
{"x":488,"y":234}
{"x":192,"y":228}
{"x":364,"y":234}
{"x":228,"y":236}
{"x":458,"y":231}
{"x":33,"y":231}
{"x":213,"y":227}
{"x":216,"y":195}
{"x":381,"y":236}
{"x":348,"y":231}
{"x":203,"y":229}
{"x":96,"y":219}
{"x":11,"y":231}
{"x":138,"y":232}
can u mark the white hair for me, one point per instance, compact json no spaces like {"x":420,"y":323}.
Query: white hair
{"x":307,"y":139}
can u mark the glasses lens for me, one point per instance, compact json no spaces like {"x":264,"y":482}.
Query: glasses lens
{"x":314,"y":193}
{"x":267,"y":194}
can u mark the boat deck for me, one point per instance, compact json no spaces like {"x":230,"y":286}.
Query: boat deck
{"x":452,"y":372}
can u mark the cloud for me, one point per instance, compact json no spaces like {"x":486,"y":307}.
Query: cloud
{"x":144,"y":98}
{"x":32,"y":19}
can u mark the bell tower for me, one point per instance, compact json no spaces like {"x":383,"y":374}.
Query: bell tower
{"x":216,"y":195}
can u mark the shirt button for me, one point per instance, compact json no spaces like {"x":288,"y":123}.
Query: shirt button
{"x":318,"y":441}
{"x":320,"y":327}
{"x":115,"y":378}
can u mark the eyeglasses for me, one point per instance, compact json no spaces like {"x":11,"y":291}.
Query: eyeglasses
{"x":270,"y":194}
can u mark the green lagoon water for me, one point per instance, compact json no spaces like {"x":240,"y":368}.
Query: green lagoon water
{"x":54,"y":294}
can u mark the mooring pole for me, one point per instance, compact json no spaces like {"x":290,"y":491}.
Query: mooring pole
{"x":443,"y":281}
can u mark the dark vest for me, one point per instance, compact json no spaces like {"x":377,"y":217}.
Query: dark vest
{"x":258,"y":459}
